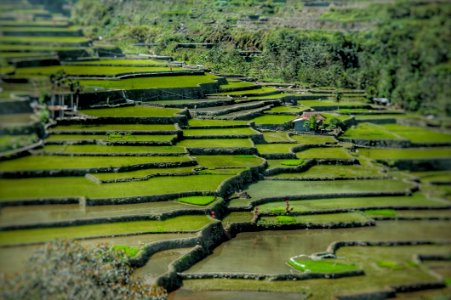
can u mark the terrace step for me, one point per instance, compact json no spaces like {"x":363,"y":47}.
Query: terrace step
{"x":254,"y":93}
{"x":245,"y":114}
{"x":242,"y":88}
{"x":191,"y":104}
{"x":227,"y":109}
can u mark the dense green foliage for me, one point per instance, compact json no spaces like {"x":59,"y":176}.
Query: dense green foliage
{"x":397,"y":49}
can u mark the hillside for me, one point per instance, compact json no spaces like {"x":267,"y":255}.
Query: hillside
{"x":224,"y":150}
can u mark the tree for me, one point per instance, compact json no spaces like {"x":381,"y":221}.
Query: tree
{"x":67,"y":270}
{"x":311,"y":123}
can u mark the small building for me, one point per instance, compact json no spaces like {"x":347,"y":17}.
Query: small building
{"x":301,"y":123}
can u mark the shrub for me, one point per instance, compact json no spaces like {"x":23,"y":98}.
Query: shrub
{"x":66,"y":270}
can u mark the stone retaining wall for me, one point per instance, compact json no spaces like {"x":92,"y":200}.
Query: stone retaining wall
{"x":377,"y":143}
{"x":218,"y":151}
{"x":9,"y":107}
{"x":420,"y":164}
{"x":239,"y":181}
{"x":270,"y":277}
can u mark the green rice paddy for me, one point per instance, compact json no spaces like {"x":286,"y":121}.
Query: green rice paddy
{"x":215,"y":143}
{"x":110,"y":138}
{"x":405,"y":153}
{"x":183,"y":223}
{"x":278,"y":188}
{"x":274,"y":148}
{"x":106,"y":149}
{"x":245,"y":131}
{"x":89,"y":70}
{"x":151,"y":82}
{"x":333,"y":153}
{"x":273,"y":119}
{"x":132,"y":111}
{"x":64,"y":187}
{"x":45,"y":162}
{"x":114,"y":127}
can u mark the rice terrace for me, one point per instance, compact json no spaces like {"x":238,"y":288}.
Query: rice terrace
{"x":225,"y":149}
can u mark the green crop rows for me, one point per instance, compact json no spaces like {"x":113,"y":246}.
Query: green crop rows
{"x":171,"y":163}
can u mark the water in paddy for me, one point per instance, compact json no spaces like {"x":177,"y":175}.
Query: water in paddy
{"x":14,"y":259}
{"x":57,"y":213}
{"x":227,"y":295}
{"x":158,"y":264}
{"x":267,"y":251}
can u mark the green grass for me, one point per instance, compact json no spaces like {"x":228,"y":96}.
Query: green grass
{"x":380,"y":213}
{"x":292,"y":162}
{"x":238,"y":217}
{"x":314,"y":219}
{"x":236,"y":84}
{"x":279,"y":188}
{"x":333,"y":153}
{"x":182,"y":223}
{"x":129,"y":251}
{"x":288,"y":109}
{"x":262,"y":90}
{"x":63,"y":187}
{"x":115,"y":127}
{"x":151,"y":82}
{"x":197,"y":200}
{"x":142,"y":174}
{"x":43,"y":39}
{"x":273,"y":119}
{"x":329,"y":103}
{"x":132,"y":111}
{"x":281,"y":163}
{"x":418,"y":134}
{"x":11,"y":142}
{"x":224,"y":123}
{"x":334,"y":171}
{"x":120,"y":61}
{"x":118,"y":149}
{"x":47,"y":162}
{"x":274,"y":148}
{"x":321,"y":266}
{"x":215,"y":143}
{"x":88,"y":70}
{"x":276,"y":136}
{"x":308,"y":139}
{"x":405,"y":153}
{"x":228,"y":161}
{"x":370,"y":132}
{"x":218,"y":132}
{"x":34,"y":48}
{"x":39,"y":29}
{"x":12,"y":55}
{"x":112,"y":138}
{"x":390,"y":264}
{"x":441,"y":176}
{"x":415,"y":200}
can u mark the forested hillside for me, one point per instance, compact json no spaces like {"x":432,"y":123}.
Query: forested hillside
{"x":395,"y":49}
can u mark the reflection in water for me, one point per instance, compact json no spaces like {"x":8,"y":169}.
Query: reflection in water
{"x":158,"y":264}
{"x":268,"y":251}
{"x":235,"y":295}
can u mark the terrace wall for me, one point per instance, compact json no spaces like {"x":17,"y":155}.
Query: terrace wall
{"x":92,"y":98}
{"x":377,"y":143}
{"x":15,"y":107}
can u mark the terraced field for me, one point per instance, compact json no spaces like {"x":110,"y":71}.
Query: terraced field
{"x":212,"y":188}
